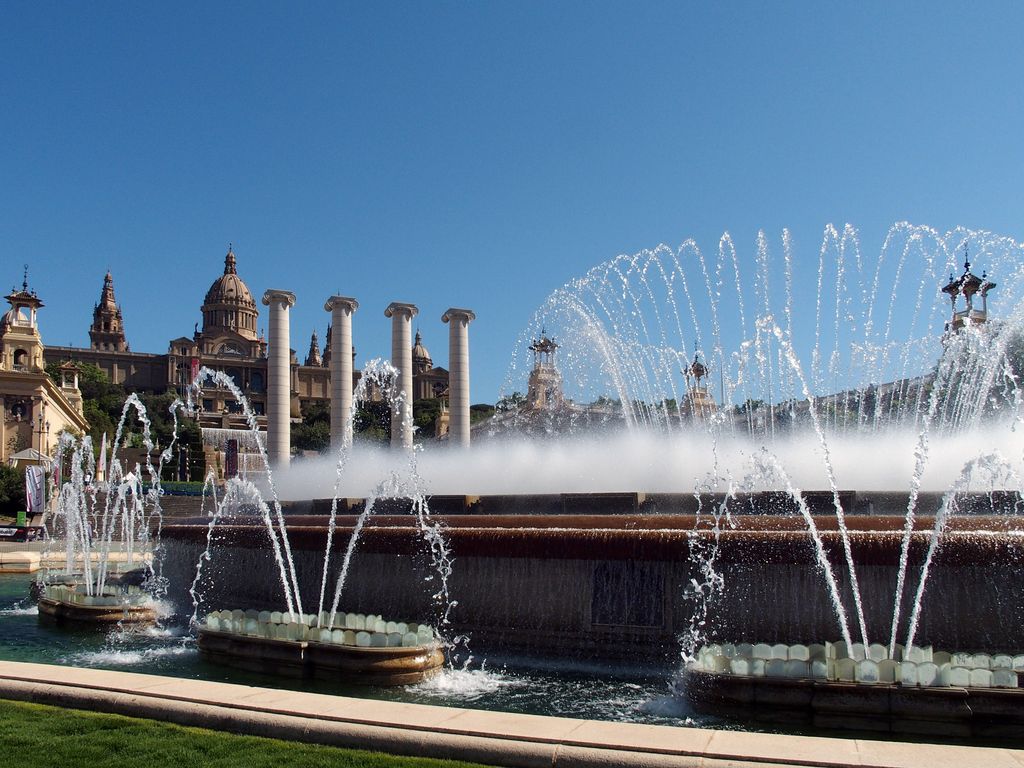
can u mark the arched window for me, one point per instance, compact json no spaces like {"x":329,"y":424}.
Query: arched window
{"x":20,"y":359}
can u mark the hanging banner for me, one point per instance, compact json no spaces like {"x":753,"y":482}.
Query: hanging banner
{"x":35,"y":481}
{"x":195,"y":369}
{"x":231,"y":459}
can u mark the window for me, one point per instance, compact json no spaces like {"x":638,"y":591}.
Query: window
{"x":20,"y":359}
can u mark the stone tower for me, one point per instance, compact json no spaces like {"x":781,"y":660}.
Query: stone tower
{"x":544,"y":390}
{"x":325,"y":360}
{"x":698,"y":403}
{"x":19,"y":332}
{"x":107,"y":329}
{"x":313,"y":356}
{"x":968,"y":285}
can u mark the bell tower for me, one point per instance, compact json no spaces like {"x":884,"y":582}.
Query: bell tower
{"x":544,"y":388}
{"x":107,"y":330}
{"x":967,"y":285}
{"x":19,"y":330}
{"x":698,"y":402}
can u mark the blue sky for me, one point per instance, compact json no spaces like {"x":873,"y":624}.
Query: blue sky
{"x":476,"y":154}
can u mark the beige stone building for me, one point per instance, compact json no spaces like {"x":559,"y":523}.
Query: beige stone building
{"x":35,"y":410}
{"x":229,"y":341}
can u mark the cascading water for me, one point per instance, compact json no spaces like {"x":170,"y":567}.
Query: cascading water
{"x":886,"y":359}
{"x":120,"y":531}
{"x":378,"y":381}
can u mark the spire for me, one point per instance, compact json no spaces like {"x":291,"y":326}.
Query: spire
{"x":107,"y":329}
{"x":325,"y":359}
{"x":229,"y":262}
{"x":107,"y":295}
{"x":313,"y":356}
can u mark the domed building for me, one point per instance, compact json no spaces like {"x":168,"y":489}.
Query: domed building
{"x":427,"y":381}
{"x":228,"y":340}
{"x":230,"y":343}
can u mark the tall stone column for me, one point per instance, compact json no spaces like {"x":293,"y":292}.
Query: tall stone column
{"x":401,"y":357}
{"x":341,"y":309}
{"x":279,"y":378}
{"x":458,"y":374}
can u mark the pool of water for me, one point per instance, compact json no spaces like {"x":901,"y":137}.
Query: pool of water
{"x":514,"y":685}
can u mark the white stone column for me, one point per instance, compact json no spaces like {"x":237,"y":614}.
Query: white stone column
{"x":458,"y":374}
{"x":401,"y":357}
{"x":341,"y":309}
{"x":279,"y":378}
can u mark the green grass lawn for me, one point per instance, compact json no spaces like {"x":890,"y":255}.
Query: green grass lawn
{"x":38,"y":735}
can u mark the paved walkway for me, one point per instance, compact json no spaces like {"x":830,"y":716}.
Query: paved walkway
{"x":493,"y":738}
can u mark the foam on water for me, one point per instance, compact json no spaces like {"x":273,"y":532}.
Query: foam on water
{"x":669,"y":706}
{"x":29,"y":610}
{"x":128,"y":657}
{"x":467,"y":684}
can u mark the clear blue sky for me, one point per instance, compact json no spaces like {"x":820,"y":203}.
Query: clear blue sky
{"x":476,"y":154}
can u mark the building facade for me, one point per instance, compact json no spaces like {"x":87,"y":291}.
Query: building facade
{"x":229,"y":343}
{"x":34,"y":410}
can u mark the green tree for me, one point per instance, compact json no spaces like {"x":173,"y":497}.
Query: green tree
{"x":12,"y":490}
{"x":314,"y":433}
{"x":480,"y":412}
{"x":511,"y":402}
{"x":424,"y":417}
{"x":372,"y":422}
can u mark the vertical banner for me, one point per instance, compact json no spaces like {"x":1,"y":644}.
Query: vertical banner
{"x":194,"y":369}
{"x":35,"y":480}
{"x":231,"y":459}
{"x":184,"y":470}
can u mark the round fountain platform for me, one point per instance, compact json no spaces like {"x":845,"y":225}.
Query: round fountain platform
{"x":64,"y":611}
{"x":955,"y":712}
{"x":389,"y":666}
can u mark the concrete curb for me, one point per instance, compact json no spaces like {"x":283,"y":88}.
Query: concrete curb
{"x":493,"y":738}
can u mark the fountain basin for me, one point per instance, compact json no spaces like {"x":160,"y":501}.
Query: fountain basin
{"x":622,"y":579}
{"x":80,"y":613}
{"x":128,"y":604}
{"x":954,"y":712}
{"x":387,"y":666}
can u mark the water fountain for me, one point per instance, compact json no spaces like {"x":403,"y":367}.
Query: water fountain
{"x":110,"y":532}
{"x":771,"y":521}
{"x":328,"y":644}
{"x":866,"y":378}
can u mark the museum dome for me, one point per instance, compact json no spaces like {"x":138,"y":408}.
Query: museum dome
{"x":420,"y":356}
{"x":229,"y":304}
{"x":229,"y":288}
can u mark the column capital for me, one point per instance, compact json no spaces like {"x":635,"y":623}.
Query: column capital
{"x":284,"y":297}
{"x":400,"y":308}
{"x":454,"y":313}
{"x":341,"y":301}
